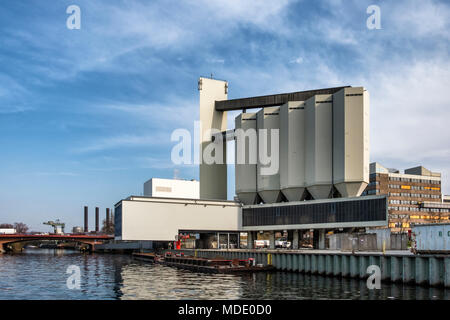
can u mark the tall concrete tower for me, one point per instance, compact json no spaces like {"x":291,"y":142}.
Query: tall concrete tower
{"x":246,"y":149}
{"x":351,"y":141}
{"x":319,"y":142}
{"x":268,"y":185}
{"x":292,"y":150}
{"x":213,"y":177}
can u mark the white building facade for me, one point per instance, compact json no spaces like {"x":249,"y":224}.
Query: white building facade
{"x":172,"y":188}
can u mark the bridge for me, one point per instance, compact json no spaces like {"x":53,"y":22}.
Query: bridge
{"x":90,"y":239}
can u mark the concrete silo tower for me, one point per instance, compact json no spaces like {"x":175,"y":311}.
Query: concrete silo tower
{"x":351,"y":141}
{"x":292,"y":150}
{"x":246,"y":157}
{"x":319,"y":139}
{"x":268,"y":185}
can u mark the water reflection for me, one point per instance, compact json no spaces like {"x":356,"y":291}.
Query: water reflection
{"x":41,"y":274}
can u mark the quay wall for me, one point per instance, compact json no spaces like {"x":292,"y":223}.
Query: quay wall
{"x":424,"y":270}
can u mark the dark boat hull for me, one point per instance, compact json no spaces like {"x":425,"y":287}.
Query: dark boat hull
{"x":202,"y":265}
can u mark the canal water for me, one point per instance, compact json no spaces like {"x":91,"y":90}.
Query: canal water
{"x":42,"y":274}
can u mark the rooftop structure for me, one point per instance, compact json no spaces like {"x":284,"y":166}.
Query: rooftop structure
{"x":172,"y":188}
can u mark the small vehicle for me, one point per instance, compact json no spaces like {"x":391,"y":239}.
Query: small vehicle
{"x":261,"y":243}
{"x":282,"y":244}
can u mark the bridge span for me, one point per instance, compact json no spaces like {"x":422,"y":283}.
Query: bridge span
{"x":90,"y":239}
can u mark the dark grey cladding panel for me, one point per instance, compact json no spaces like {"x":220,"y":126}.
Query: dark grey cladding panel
{"x":353,"y":210}
{"x":271,"y":100}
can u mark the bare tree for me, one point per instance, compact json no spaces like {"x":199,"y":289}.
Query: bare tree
{"x":20,"y":227}
{"x":6,"y":226}
{"x":108,"y":228}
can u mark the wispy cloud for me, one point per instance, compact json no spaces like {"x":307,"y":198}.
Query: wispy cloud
{"x":124,"y":141}
{"x":12,"y":96}
{"x":172,"y":114}
{"x":297,"y":60}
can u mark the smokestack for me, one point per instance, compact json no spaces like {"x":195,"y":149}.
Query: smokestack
{"x":86,"y":227}
{"x":107,"y":218}
{"x":96,"y":220}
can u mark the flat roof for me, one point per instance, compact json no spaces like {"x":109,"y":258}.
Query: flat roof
{"x":217,"y":202}
{"x":167,"y":179}
{"x":272,"y":100}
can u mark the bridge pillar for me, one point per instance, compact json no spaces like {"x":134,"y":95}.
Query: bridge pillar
{"x":91,"y":244}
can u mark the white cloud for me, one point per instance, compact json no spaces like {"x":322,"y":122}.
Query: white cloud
{"x":298,"y":60}
{"x":410,"y":110}
{"x":333,"y":32}
{"x":111,"y":31}
{"x":419,"y":18}
{"x":215,"y":60}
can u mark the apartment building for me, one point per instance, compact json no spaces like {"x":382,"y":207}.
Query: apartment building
{"x":414,"y":197}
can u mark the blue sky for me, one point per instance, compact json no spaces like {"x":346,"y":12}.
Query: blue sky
{"x":86,"y":115}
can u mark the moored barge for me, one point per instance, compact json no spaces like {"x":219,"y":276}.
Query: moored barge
{"x":216,"y":265}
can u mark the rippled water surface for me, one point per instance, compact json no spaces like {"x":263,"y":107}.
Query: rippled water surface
{"x":41,"y":274}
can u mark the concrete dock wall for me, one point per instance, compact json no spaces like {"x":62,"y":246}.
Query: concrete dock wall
{"x":426,"y":270}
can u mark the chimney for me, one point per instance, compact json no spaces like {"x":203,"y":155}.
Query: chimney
{"x":96,"y":220}
{"x":86,"y":226}
{"x":107,"y":218}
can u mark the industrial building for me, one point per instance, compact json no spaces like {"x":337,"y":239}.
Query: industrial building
{"x":302,"y":161}
{"x":161,"y":219}
{"x":323,"y":147}
{"x":414,"y":197}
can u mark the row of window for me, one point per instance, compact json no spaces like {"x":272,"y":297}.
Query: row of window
{"x":414,"y":180}
{"x":399,"y":216}
{"x":429,"y":217}
{"x":424,"y":188}
{"x":403,"y":194}
{"x":407,"y":225}
{"x":399,"y":186}
{"x":414,"y":195}
{"x":399,"y":225}
{"x":416,"y":209}
{"x":402,"y":202}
